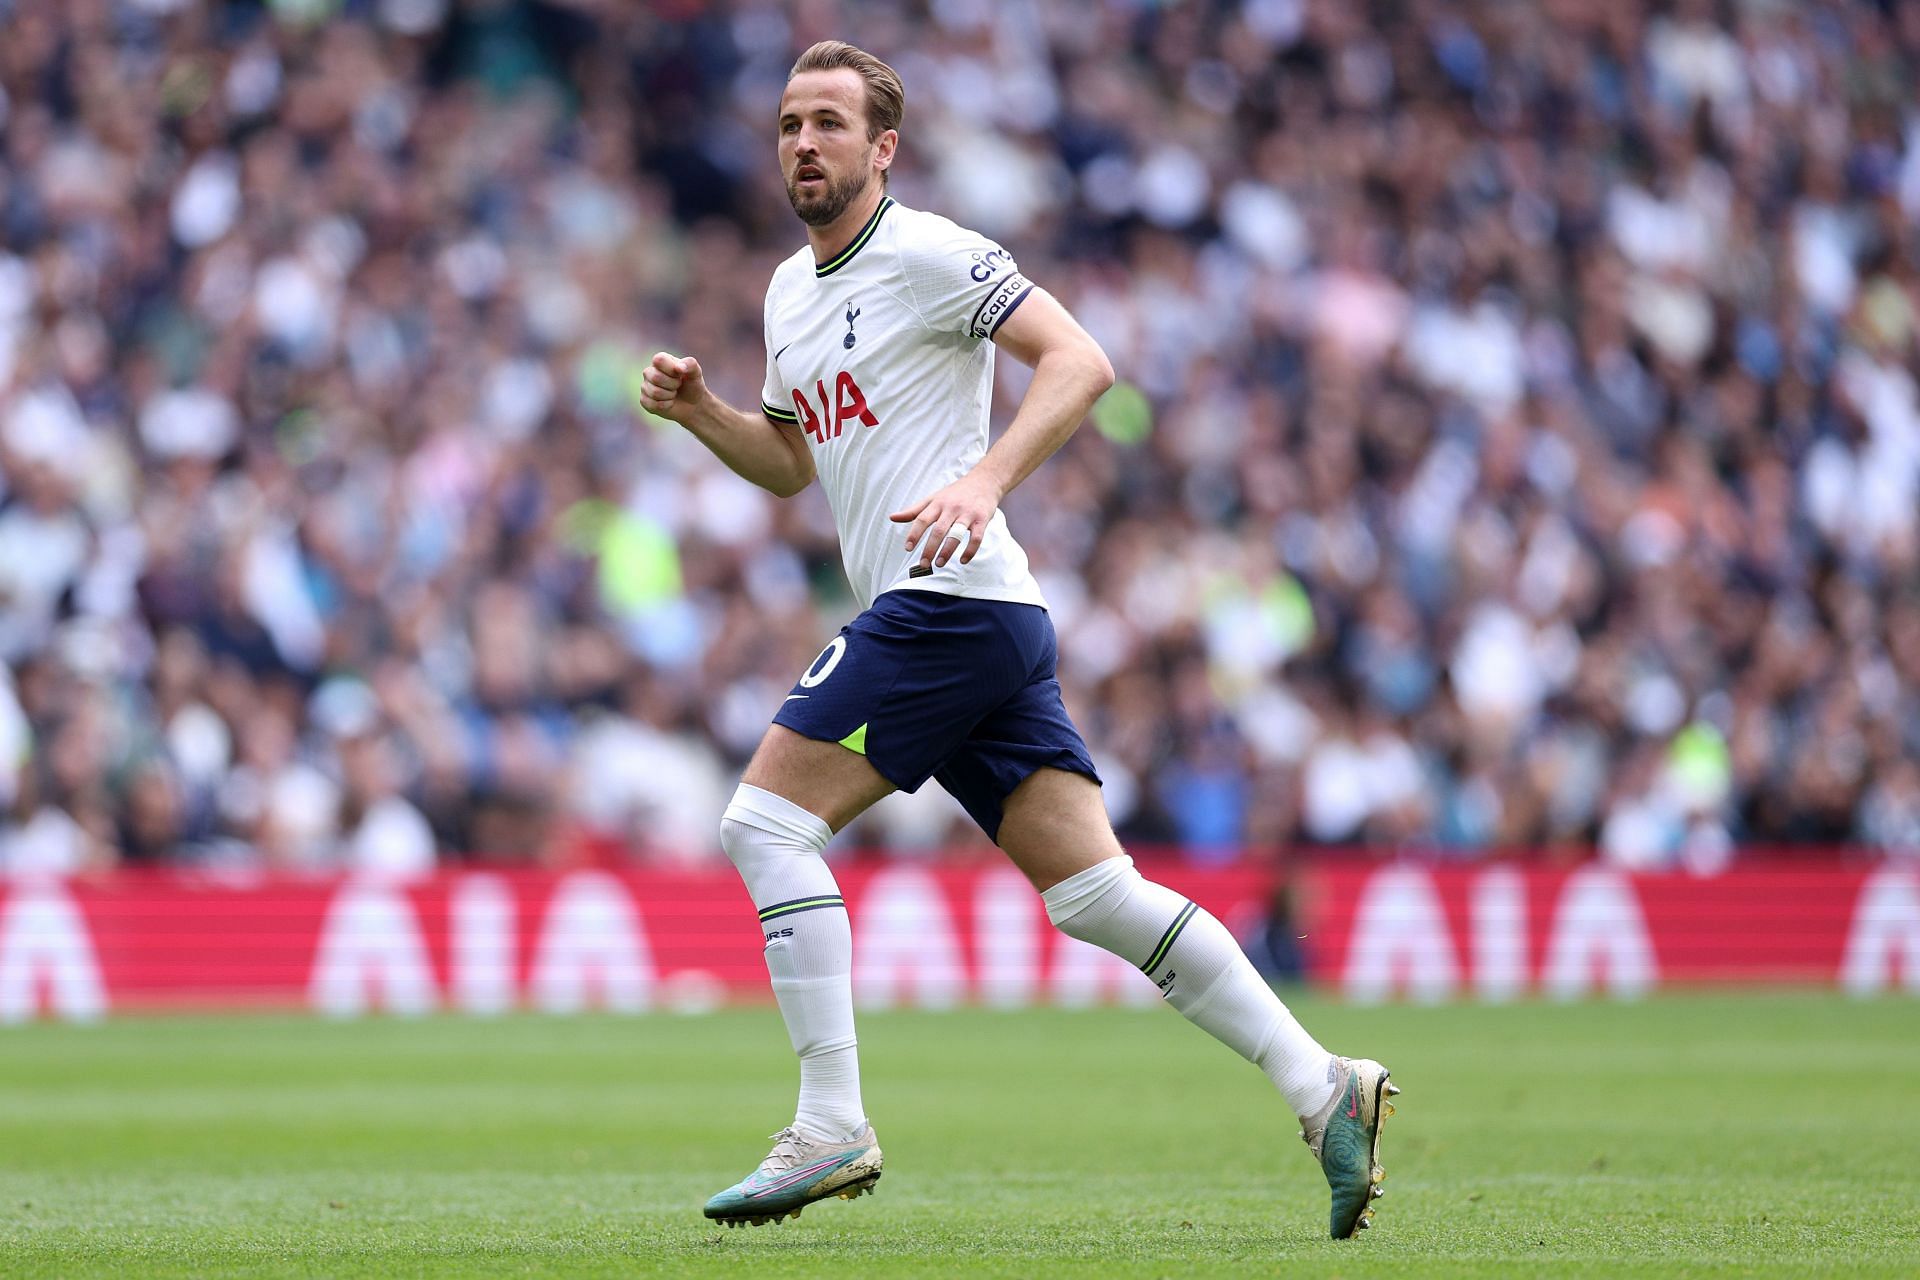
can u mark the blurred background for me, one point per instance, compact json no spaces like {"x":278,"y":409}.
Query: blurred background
{"x":1517,"y":444}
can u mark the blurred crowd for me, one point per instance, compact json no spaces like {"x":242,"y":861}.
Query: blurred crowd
{"x":1517,"y":445}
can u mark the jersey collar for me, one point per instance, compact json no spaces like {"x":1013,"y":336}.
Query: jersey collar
{"x":845,"y":256}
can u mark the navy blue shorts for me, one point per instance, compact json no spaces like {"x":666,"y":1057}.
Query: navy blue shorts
{"x":927,"y":685}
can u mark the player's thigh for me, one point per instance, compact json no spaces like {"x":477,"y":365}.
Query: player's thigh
{"x":824,"y":778}
{"x":888,"y":699}
{"x":1054,"y":825}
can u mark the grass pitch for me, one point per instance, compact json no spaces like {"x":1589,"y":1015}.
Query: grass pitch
{"x":1769,"y":1134}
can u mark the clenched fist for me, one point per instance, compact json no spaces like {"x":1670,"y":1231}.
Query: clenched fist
{"x":673,"y":387}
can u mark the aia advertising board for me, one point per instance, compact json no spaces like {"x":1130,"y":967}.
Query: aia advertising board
{"x":485,"y":942}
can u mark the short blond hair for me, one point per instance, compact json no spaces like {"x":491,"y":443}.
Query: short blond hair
{"x":886,"y":96}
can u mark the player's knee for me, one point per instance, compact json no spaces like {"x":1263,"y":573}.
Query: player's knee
{"x":1082,"y":900}
{"x":737,"y":839}
{"x":759,"y":825}
{"x":749,"y":844}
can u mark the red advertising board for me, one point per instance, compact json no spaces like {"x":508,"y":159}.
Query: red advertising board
{"x":485,"y":941}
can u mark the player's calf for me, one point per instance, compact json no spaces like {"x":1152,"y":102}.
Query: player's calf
{"x":1200,"y":969}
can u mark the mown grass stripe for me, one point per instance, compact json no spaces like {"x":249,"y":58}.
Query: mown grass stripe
{"x":182,"y":1147}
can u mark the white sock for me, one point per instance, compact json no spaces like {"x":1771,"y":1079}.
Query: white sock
{"x":1198,"y":967}
{"x":776,"y":846}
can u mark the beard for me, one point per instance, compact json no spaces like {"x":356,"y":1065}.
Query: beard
{"x":836,"y":194}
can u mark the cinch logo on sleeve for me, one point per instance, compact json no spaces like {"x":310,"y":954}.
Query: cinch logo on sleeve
{"x":985,"y":264}
{"x":849,"y":402}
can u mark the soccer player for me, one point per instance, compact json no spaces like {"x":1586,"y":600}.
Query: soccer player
{"x":880,"y":337}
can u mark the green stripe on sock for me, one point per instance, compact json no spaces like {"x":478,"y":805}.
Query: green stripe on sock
{"x":802,"y":904}
{"x":1168,"y":938}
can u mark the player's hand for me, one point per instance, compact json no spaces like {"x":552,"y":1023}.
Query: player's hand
{"x":966,"y":504}
{"x":673,"y":387}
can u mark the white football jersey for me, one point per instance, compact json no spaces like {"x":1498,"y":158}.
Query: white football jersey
{"x":882,"y":357}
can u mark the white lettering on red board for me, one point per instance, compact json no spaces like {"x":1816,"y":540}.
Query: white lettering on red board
{"x":371,"y":952}
{"x":1400,"y":940}
{"x":1499,"y":904}
{"x":1006,"y":931}
{"x":482,"y":939}
{"x":1598,"y":928}
{"x":904,"y":948}
{"x":1883,"y":941}
{"x":591,"y":943}
{"x":44,"y":943}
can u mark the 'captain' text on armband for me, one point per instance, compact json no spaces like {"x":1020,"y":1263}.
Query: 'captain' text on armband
{"x":998,"y":303}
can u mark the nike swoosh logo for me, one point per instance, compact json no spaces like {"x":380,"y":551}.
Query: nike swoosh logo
{"x":798,"y":1174}
{"x":782,"y":351}
{"x":790,"y":697}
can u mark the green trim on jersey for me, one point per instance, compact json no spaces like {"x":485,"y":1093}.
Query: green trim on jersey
{"x":845,"y":256}
{"x":787,"y":416}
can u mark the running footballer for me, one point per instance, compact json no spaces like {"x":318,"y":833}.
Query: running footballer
{"x":880,"y":336}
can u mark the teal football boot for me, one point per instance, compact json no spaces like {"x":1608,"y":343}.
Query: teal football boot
{"x":799,"y":1170}
{"x":1345,"y":1138}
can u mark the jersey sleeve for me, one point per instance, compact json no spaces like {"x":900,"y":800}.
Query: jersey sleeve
{"x":962,"y":282}
{"x":775,"y":401}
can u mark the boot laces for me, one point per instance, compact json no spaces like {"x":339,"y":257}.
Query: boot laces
{"x":789,"y":1149}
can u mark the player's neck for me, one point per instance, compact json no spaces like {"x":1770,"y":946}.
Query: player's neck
{"x":829,"y":240}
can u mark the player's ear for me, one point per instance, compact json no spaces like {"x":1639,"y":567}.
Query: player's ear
{"x":883,"y":149}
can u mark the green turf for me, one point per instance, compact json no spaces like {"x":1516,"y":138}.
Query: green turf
{"x":1763,"y":1135}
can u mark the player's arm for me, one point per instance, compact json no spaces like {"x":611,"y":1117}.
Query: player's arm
{"x":771,"y":455}
{"x":1070,"y":372}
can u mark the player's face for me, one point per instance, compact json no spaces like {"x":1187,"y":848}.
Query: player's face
{"x":824,"y":152}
